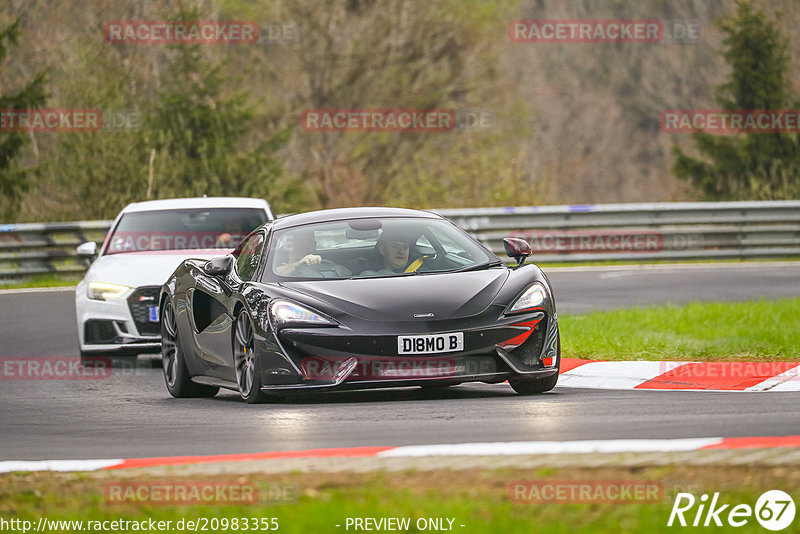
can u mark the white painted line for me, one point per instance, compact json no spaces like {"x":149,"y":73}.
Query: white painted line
{"x":35,"y":290}
{"x":552,"y":447}
{"x":789,"y":385}
{"x":514,"y":448}
{"x":616,"y":274}
{"x":56,"y":465}
{"x":789,"y":380}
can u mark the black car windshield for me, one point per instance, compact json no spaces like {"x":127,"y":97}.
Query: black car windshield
{"x":183,"y":229}
{"x":363,"y":248}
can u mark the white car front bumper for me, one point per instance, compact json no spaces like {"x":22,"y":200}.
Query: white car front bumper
{"x":110,"y":325}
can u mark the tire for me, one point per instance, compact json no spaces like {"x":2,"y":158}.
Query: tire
{"x":176,"y":375}
{"x":533,"y":386}
{"x":246,"y":364}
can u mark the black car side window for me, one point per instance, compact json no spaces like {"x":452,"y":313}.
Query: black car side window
{"x":249,"y":255}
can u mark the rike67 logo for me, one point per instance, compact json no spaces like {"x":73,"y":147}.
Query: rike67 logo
{"x":774,"y":510}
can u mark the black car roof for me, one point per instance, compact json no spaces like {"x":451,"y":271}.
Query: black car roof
{"x":339,"y":214}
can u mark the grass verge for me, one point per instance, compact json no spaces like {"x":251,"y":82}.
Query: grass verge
{"x":43,"y":280}
{"x":725,"y":331}
{"x":481,"y":500}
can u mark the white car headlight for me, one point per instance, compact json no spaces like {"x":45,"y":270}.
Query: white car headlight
{"x":103,"y":291}
{"x":284,"y":312}
{"x":534,"y":296}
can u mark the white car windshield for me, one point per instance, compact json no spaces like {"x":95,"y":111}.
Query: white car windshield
{"x":183,"y":229}
{"x":373,"y":247}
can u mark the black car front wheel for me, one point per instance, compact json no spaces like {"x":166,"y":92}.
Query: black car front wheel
{"x":532,"y":386}
{"x":176,"y":375}
{"x":248,"y":373}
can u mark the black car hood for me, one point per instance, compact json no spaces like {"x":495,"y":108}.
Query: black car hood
{"x":450,"y":295}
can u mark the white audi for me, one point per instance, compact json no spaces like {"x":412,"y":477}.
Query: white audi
{"x":116,"y":302}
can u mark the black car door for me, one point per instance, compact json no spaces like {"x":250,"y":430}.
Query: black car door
{"x":213,"y":300}
{"x":245,"y":268}
{"x":210,"y":320}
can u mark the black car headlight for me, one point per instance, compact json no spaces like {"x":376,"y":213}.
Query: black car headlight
{"x":533,"y":297}
{"x":285,"y":312}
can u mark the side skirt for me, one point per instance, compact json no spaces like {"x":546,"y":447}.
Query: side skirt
{"x":218,"y":382}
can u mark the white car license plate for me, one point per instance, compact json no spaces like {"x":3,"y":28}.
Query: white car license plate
{"x":152,"y":313}
{"x":430,"y":344}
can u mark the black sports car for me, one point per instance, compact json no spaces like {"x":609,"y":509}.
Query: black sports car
{"x":358,"y":298}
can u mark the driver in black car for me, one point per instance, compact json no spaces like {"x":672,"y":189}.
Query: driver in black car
{"x":397,"y":254}
{"x":300,"y":245}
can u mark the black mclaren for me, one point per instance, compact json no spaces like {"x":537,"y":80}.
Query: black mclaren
{"x":358,"y":298}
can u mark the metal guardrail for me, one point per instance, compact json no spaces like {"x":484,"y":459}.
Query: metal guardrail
{"x":639,"y":232}
{"x":44,"y":248}
{"x":643,"y":232}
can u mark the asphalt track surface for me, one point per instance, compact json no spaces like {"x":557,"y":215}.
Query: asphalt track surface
{"x":130,"y":415}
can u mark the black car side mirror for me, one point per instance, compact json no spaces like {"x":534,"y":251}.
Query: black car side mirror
{"x":219,"y":266}
{"x":516,"y":248}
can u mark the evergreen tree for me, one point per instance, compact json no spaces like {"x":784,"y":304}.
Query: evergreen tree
{"x":201,"y":135}
{"x":751,"y":165}
{"x":14,"y":180}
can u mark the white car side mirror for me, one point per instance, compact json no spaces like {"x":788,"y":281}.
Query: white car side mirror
{"x":87,"y":250}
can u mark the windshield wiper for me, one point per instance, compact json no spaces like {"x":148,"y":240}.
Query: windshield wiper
{"x":373,"y":276}
{"x":487,"y":265}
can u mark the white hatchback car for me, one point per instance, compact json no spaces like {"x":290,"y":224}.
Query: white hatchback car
{"x":116,"y":302}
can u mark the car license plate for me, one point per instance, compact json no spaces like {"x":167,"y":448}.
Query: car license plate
{"x":430,"y":344}
{"x":152,"y":313}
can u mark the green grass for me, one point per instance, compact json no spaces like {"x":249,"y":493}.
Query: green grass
{"x":43,"y":280}
{"x":478,"y":498}
{"x":757,"y":330}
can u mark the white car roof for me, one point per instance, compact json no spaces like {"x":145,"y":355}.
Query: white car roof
{"x":198,"y":202}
